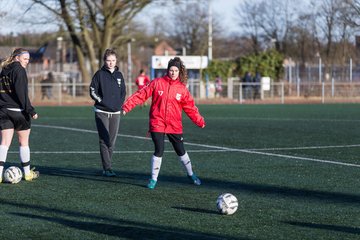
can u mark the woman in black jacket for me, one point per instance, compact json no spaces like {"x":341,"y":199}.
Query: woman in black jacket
{"x":16,"y":111}
{"x":108,"y":90}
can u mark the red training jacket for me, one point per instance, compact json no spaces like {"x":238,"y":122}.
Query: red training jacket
{"x":169,"y":98}
{"x":142,"y":80}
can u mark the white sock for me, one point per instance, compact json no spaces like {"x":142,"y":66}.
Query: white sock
{"x":185,"y":160}
{"x":155,"y":167}
{"x":24,"y":153}
{"x":3,"y":154}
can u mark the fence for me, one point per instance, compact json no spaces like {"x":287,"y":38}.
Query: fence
{"x":59,"y":93}
{"x":237,"y":93}
{"x":317,"y":71}
{"x":70,"y":89}
{"x":290,"y":93}
{"x":313,"y":83}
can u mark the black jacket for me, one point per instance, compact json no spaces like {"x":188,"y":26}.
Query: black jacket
{"x":14,"y":88}
{"x":108,"y":90}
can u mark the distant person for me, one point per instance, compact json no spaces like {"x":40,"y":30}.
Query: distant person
{"x":247,"y":85}
{"x":257,"y":83}
{"x":142,"y":80}
{"x":108,"y":90}
{"x":43,"y":85}
{"x":46,"y":86}
{"x":169,"y":96}
{"x":50,"y":81}
{"x":218,"y":86}
{"x":16,"y":110}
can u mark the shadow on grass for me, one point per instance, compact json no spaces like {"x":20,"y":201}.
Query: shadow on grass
{"x":94,"y":175}
{"x":131,"y":178}
{"x":336,"y":228}
{"x":198,"y":210}
{"x":284,"y":191}
{"x":140,"y":179}
{"x":110,"y":226}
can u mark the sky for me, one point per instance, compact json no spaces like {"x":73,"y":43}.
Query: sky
{"x":10,"y":23}
{"x":223,"y":11}
{"x":15,"y":11}
{"x":226,"y":9}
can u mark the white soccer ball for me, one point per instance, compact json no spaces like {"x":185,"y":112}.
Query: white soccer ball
{"x":13,"y":174}
{"x":227,"y":204}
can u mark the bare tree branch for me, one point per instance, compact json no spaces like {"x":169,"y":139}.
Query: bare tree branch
{"x":93,"y":25}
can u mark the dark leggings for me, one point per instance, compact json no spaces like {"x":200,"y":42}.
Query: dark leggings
{"x":176,"y":140}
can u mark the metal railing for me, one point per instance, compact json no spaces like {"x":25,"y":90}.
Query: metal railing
{"x":238,"y":92}
{"x":287,"y":93}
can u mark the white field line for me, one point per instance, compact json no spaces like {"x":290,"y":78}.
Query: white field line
{"x":276,"y":155}
{"x":230,"y":118}
{"x":118,"y":152}
{"x":305,"y":148}
{"x":216,"y":148}
{"x":286,"y":119}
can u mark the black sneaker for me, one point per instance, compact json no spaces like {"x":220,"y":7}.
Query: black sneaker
{"x":109,"y":173}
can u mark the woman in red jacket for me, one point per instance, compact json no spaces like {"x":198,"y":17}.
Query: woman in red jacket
{"x":169,"y":97}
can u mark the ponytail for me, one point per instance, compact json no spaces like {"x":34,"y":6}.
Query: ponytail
{"x":11,"y":58}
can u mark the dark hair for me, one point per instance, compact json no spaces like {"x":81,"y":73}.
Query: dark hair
{"x":15,"y":53}
{"x":109,"y":52}
{"x":176,"y":61}
{"x":142,"y":71}
{"x":50,"y":76}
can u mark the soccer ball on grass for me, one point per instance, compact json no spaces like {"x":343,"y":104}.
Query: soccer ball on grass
{"x":227,"y":204}
{"x":13,"y":175}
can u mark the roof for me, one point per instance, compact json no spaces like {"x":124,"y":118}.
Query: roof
{"x":163,"y":48}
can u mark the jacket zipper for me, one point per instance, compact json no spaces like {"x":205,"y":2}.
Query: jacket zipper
{"x":166,"y":105}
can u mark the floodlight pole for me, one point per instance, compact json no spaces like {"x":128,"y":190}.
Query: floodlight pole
{"x":129,"y":64}
{"x":320,"y":70}
{"x":350,"y":72}
{"x":210,"y":32}
{"x":59,"y":54}
{"x":210,"y":46}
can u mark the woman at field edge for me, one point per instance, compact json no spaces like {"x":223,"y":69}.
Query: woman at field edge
{"x":108,"y":90}
{"x":16,"y":110}
{"x":169,"y":97}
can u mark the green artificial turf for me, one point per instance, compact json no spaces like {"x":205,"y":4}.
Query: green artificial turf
{"x":295,"y":170}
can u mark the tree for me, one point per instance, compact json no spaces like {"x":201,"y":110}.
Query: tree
{"x":303,"y":38}
{"x":268,"y":63}
{"x":334,"y":36}
{"x":267,"y":21}
{"x":223,"y":69}
{"x":94,"y":26}
{"x":190,"y":22}
{"x":328,"y":21}
{"x":249,"y":21}
{"x":352,"y":17}
{"x":353,"y":12}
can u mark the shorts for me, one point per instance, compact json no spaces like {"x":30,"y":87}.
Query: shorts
{"x":14,"y":120}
